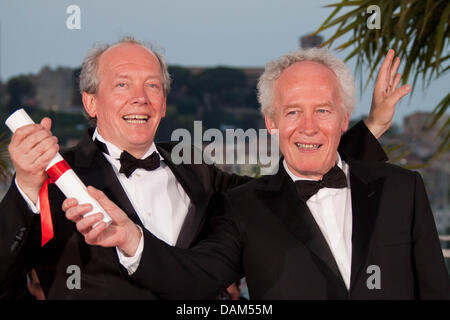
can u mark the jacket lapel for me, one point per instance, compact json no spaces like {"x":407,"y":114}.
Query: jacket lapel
{"x":90,"y":164}
{"x":366,"y":194}
{"x":191,"y":184}
{"x":96,"y":171}
{"x":282,"y":198}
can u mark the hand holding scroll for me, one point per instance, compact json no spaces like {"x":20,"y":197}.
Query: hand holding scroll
{"x":122,"y":233}
{"x":31,"y":149}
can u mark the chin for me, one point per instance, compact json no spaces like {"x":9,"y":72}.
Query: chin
{"x":141,"y":142}
{"x":309,"y":167}
{"x":141,"y":137}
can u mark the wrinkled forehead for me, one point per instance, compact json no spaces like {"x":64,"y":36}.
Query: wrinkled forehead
{"x":304,"y":71}
{"x":307,"y":79}
{"x":127,"y":53}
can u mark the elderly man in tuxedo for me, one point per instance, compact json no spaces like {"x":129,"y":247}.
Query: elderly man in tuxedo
{"x":124,"y":87}
{"x":325,"y":226}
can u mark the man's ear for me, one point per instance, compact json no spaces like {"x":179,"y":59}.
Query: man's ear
{"x":270,"y":124}
{"x":89,"y":103}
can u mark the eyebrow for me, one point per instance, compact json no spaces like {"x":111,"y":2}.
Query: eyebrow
{"x":126,"y":76}
{"x":320,"y":104}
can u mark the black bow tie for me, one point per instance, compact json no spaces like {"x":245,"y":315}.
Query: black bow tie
{"x":128,"y":163}
{"x":335,"y":178}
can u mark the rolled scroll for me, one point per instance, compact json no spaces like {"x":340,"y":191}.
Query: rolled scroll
{"x":60,"y":172}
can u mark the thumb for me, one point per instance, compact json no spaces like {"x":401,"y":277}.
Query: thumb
{"x":110,"y":207}
{"x":101,"y":198}
{"x":46,"y":123}
{"x":400,"y":93}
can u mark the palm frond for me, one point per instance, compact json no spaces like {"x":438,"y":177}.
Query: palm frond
{"x":417,"y":30}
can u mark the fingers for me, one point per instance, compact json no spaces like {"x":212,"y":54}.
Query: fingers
{"x":29,"y":130}
{"x":31,"y":141}
{"x":101,"y":198}
{"x":69,"y":203}
{"x":397,"y":79}
{"x":41,"y":154}
{"x":36,"y":137}
{"x":96,"y":194}
{"x":388,"y":79}
{"x":46,"y":123}
{"x":86,"y":224}
{"x":76,"y":213}
{"x":116,"y":214}
{"x":31,"y":149}
{"x":393,"y":70}
{"x":385,"y":66}
{"x":90,"y":226}
{"x":400,"y":93}
{"x":93,"y":235}
{"x":25,"y":132}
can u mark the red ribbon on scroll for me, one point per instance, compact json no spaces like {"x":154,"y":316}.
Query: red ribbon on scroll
{"x":54,"y":172}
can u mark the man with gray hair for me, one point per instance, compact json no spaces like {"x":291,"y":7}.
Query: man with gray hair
{"x":325,"y":226}
{"x":124,"y":88}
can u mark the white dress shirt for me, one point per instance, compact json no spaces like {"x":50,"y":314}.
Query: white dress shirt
{"x":157,"y":197}
{"x":332,"y":211}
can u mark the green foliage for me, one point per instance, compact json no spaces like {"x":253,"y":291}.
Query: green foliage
{"x":418,"y":31}
{"x":65,"y":126}
{"x":76,"y":97}
{"x":211,"y":95}
{"x":221,"y":86}
{"x":182,"y":78}
{"x":221,"y":79}
{"x":19,"y":88}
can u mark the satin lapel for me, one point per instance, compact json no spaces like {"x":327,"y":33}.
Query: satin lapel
{"x":365,"y":202}
{"x":196,"y":192}
{"x":95,"y":170}
{"x":281,"y":197}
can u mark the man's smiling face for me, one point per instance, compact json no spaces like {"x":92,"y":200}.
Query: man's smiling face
{"x":130,"y":100}
{"x":310,"y":118}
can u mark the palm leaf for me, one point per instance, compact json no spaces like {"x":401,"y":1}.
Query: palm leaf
{"x":417,"y":30}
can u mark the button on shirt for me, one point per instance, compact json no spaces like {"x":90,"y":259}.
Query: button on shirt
{"x":332,"y":211}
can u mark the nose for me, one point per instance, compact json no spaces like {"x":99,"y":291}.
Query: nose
{"x":139,"y":95}
{"x":308,"y":125}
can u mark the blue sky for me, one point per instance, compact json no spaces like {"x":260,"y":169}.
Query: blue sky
{"x":192,"y":32}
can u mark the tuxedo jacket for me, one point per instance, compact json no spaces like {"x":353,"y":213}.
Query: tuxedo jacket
{"x":263,"y":231}
{"x":102,"y":276}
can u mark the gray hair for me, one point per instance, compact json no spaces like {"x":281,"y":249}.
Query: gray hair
{"x":89,"y":80}
{"x":323,"y":56}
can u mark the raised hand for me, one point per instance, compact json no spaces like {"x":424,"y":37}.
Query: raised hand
{"x":386,"y":95}
{"x":31,"y":149}
{"x":121,"y":233}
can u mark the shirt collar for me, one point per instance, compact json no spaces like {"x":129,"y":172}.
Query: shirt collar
{"x":115,"y":152}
